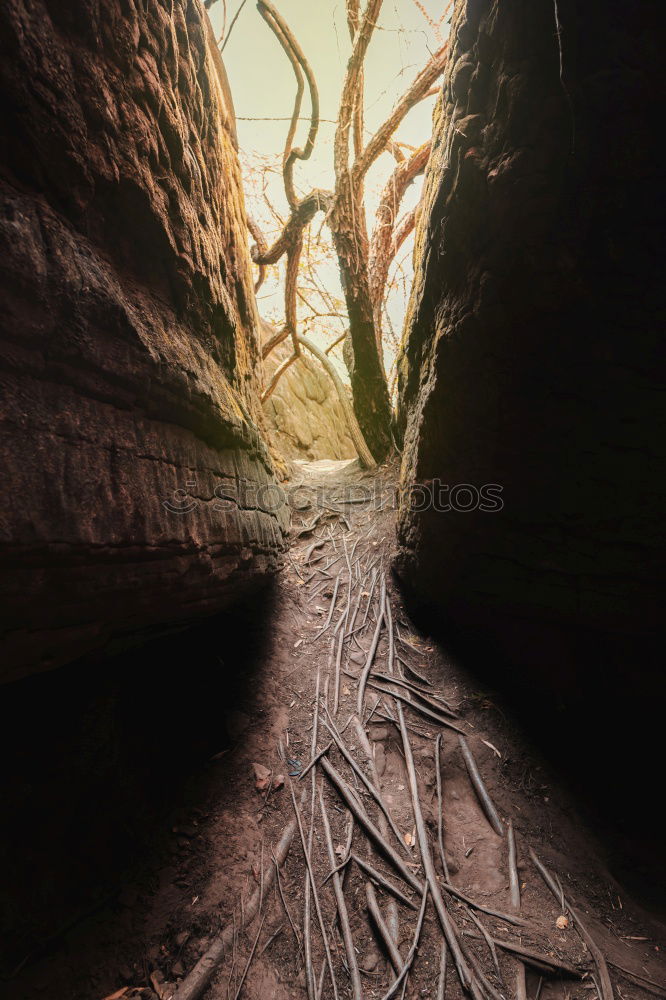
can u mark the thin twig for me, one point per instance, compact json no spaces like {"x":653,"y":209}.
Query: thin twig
{"x":514,"y":881}
{"x":508,"y":917}
{"x":422,"y":709}
{"x":593,"y":947}
{"x":376,"y":794}
{"x":343,"y":916}
{"x":480,"y":788}
{"x":467,"y":980}
{"x":380,"y":879}
{"x":355,"y":807}
{"x":412,"y":951}
{"x":284,"y":904}
{"x":315,"y":894}
{"x":365,"y":673}
{"x":441,"y":982}
{"x":384,"y":933}
{"x":440,"y":833}
{"x":314,"y":760}
{"x":250,"y":957}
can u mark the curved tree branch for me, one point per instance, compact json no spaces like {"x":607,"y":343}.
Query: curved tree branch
{"x":418,"y":90}
{"x":387,"y":238}
{"x":273,"y":341}
{"x":402,"y":231}
{"x":338,"y":340}
{"x":363,"y":268}
{"x":287,"y":162}
{"x":350,"y":87}
{"x":277,"y":375}
{"x":290,"y":307}
{"x":261,"y":248}
{"x":287,"y":40}
{"x":301,"y":215}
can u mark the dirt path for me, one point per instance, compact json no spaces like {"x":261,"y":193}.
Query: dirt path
{"x":221,"y":839}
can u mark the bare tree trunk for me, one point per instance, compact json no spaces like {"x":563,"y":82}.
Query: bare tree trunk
{"x":368,"y":379}
{"x":363,"y":269}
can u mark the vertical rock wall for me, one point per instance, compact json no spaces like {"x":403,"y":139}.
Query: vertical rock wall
{"x":127,"y":330}
{"x":533,"y":332}
{"x":532,"y":361}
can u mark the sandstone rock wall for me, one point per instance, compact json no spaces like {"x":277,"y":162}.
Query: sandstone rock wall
{"x":304,"y":414}
{"x":535,"y":323}
{"x":127,"y":332}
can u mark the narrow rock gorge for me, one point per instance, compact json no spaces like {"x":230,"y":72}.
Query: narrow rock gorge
{"x":278,"y":719}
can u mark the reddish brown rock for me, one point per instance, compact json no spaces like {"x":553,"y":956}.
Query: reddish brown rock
{"x":127,"y":332}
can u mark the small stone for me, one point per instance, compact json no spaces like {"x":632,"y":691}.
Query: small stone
{"x":378,"y":733}
{"x":262,"y":777}
{"x":370,"y":960}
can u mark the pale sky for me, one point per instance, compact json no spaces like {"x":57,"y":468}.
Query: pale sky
{"x":263,"y":85}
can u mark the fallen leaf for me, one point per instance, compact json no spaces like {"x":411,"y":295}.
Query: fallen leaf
{"x":493,"y":748}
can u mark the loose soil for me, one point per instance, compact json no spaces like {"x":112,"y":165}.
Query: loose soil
{"x":213,"y":845}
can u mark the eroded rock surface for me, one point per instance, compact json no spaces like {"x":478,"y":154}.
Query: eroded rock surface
{"x":534,"y":324}
{"x":128,"y":330}
{"x":533,"y":362}
{"x":304,"y":415}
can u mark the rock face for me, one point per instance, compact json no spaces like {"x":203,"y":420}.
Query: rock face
{"x":304,"y":415}
{"x":128,"y":331}
{"x":534,"y":331}
{"x":534,"y":321}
